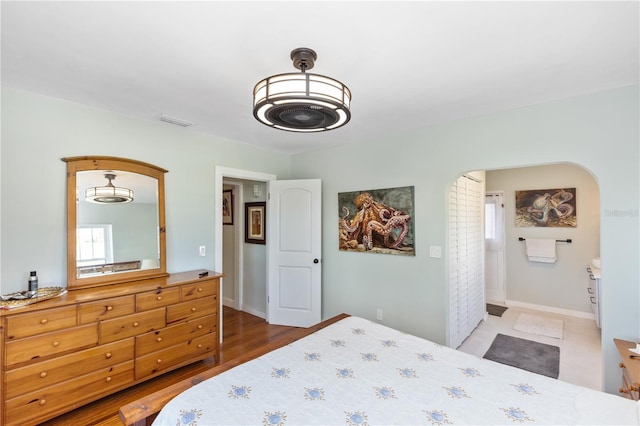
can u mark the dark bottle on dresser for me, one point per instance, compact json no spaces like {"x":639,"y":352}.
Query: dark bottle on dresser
{"x":33,"y":282}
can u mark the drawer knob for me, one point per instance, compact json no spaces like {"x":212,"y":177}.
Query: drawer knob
{"x":56,"y":344}
{"x":200,"y":289}
{"x":108,"y":355}
{"x":199,"y":346}
{"x":109,"y":308}
{"x":44,"y":321}
{"x":193,"y":309}
{"x":159,"y":298}
{"x":108,"y":379}
{"x":159,"y":361}
{"x":621,"y":365}
{"x":159,"y":339}
{"x":43,"y":401}
{"x":43,"y":374}
{"x":199,"y":326}
{"x":135,"y":324}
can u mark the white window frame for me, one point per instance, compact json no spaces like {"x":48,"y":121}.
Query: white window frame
{"x":106,"y":229}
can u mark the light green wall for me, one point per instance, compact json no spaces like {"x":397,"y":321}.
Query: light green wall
{"x":38,"y":131}
{"x":599,"y":132}
{"x":562,"y":284}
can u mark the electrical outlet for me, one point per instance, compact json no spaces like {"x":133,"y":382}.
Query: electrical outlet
{"x":379,"y":314}
{"x":435,"y":251}
{"x":203,"y":250}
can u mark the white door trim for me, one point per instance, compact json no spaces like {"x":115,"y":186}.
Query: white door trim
{"x":220,"y":173}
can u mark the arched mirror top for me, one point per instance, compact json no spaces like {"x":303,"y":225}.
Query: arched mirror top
{"x":115,"y":221}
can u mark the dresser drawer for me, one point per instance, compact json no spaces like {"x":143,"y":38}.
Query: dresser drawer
{"x":22,"y":409}
{"x":131,"y":325}
{"x":169,"y":336}
{"x":192,"y":309}
{"x":106,"y":309}
{"x":166,"y":358}
{"x":157,"y":298}
{"x":57,"y":342}
{"x":201,"y":289}
{"x":46,"y":373}
{"x":629,"y":390}
{"x":32,"y":323}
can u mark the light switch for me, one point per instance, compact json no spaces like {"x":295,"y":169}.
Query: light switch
{"x":203,"y":250}
{"x":435,"y":251}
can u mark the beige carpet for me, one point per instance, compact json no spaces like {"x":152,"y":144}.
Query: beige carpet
{"x":539,"y":325}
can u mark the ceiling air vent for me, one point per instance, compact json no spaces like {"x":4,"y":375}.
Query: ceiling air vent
{"x":174,"y":120}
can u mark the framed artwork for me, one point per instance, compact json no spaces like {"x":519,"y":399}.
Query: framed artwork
{"x":255,"y":223}
{"x":377,"y":221}
{"x":227,"y":207}
{"x":546,"y":208}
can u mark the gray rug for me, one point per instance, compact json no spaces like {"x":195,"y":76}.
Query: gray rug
{"x":536,"y":357}
{"x":496,"y":310}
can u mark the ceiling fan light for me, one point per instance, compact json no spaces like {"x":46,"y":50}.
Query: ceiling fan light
{"x":108,"y":194}
{"x":302,"y":102}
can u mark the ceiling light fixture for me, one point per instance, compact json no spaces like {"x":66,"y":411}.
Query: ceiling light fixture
{"x":302,"y":102}
{"x":108,"y":194}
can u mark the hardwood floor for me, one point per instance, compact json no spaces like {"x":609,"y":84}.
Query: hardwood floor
{"x":241,"y":333}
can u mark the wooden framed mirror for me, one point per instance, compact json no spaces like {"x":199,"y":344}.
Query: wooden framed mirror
{"x":115,"y":221}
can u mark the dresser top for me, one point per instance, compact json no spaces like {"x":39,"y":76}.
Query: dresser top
{"x":75,"y":296}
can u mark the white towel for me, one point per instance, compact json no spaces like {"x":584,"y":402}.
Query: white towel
{"x":541,"y":250}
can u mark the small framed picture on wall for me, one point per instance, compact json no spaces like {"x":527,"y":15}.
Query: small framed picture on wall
{"x":227,"y":207}
{"x":255,"y":223}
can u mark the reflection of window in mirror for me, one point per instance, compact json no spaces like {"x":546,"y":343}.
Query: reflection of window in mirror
{"x":94,"y":245}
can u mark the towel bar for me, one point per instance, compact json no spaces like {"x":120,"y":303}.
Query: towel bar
{"x":568,"y":240}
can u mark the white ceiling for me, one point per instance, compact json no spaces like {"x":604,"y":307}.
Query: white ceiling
{"x":409,"y":65}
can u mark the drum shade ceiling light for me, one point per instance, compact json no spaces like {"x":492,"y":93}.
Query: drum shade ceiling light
{"x":302,"y":102}
{"x":108,"y":194}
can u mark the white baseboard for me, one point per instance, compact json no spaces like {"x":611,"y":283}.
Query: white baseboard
{"x":226,"y":301}
{"x":561,"y":311}
{"x":252,"y":311}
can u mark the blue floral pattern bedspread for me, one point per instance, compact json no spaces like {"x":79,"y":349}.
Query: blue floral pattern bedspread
{"x":357,"y":372}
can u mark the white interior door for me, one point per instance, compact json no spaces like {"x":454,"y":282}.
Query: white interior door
{"x":293,"y":252}
{"x":494,"y":247}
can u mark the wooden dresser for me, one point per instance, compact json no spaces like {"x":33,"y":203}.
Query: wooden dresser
{"x":630,"y":369}
{"x":62,"y":353}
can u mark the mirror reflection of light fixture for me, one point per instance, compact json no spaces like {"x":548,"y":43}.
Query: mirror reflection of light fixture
{"x":108,"y":194}
{"x":256,"y":191}
{"x":302,"y":102}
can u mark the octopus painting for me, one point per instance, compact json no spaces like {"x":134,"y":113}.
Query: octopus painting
{"x":550,"y":207}
{"x":377,"y":221}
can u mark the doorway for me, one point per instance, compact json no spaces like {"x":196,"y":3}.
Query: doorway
{"x":232,"y":175}
{"x":244,"y":265}
{"x":554,"y":290}
{"x":494,"y":246}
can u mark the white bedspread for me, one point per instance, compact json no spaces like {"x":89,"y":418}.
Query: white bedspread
{"x":357,"y":372}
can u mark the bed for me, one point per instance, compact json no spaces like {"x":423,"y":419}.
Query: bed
{"x":351,"y":371}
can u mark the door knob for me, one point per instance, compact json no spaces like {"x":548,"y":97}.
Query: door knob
{"x":315,"y":261}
